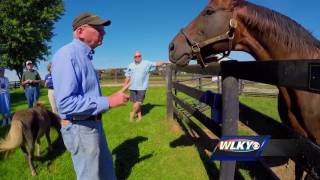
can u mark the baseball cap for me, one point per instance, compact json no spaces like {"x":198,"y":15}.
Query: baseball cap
{"x":28,"y":62}
{"x":89,"y":18}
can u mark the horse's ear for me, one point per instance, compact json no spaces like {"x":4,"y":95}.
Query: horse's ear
{"x":223,"y":3}
{"x":40,"y":104}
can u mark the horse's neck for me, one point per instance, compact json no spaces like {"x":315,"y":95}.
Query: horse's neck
{"x":263,"y":43}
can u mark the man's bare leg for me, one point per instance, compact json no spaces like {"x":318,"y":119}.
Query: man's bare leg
{"x":131,"y":116}
{"x":139,"y":111}
{"x":133,"y":112}
{"x":135,"y":109}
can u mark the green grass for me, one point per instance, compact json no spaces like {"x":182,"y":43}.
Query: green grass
{"x":140,"y":150}
{"x":260,"y":85}
{"x":265,"y":105}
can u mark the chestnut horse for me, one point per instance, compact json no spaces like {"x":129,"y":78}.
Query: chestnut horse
{"x":238,"y":25}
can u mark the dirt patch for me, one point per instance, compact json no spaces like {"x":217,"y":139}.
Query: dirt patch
{"x":285,"y":172}
{"x":174,"y":126}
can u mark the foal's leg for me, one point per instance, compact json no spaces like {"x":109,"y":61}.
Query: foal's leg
{"x":48,"y":140}
{"x":30,"y":160}
{"x":38,"y":147}
{"x":30,"y":150}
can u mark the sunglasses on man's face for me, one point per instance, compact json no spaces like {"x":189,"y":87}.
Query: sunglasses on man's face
{"x":137,"y":56}
{"x":98,"y":28}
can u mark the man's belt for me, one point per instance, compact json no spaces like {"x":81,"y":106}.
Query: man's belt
{"x":31,"y":85}
{"x":86,"y":118}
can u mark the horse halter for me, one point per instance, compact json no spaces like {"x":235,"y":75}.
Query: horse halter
{"x":196,"y":46}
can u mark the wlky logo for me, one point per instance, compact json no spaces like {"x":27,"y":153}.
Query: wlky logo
{"x":240,"y":147}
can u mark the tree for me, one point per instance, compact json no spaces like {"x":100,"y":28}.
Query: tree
{"x":26,"y":30}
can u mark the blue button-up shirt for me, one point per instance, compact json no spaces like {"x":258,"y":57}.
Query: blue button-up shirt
{"x":48,"y":78}
{"x":139,"y":74}
{"x":76,"y":86}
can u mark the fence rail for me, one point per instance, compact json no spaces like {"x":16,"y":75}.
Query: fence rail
{"x":14,"y":84}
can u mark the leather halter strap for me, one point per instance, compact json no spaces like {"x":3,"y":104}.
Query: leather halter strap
{"x":196,"y":46}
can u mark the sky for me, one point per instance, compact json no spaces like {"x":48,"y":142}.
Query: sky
{"x":149,"y":26}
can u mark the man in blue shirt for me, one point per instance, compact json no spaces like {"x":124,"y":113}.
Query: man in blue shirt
{"x":137,"y":74}
{"x":79,"y":101}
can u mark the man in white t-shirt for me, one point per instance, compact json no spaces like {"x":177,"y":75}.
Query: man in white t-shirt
{"x":137,"y":74}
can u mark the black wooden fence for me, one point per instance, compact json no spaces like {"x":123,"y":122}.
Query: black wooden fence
{"x":300,"y":74}
{"x":14,"y":84}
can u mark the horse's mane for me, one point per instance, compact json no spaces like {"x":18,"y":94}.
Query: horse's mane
{"x":279,"y":28}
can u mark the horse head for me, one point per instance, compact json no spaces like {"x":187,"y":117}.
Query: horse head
{"x":211,"y":32}
{"x":237,"y":25}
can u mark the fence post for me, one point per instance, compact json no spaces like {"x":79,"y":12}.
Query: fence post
{"x":116,"y":76}
{"x":230,"y":116}
{"x":169,"y":92}
{"x":17,"y":84}
{"x":175,"y":90}
{"x":241,"y":86}
{"x":200,"y":81}
{"x":219,"y":84}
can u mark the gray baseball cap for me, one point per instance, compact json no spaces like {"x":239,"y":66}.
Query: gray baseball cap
{"x":89,"y":18}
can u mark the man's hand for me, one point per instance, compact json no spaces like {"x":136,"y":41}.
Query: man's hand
{"x":119,"y":98}
{"x":26,"y":82}
{"x":35,"y":81}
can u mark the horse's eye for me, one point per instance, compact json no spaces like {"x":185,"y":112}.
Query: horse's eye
{"x":209,"y":12}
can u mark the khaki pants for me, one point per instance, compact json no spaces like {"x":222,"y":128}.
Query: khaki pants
{"x":52,"y":101}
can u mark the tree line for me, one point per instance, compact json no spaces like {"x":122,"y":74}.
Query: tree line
{"x":26,"y":29}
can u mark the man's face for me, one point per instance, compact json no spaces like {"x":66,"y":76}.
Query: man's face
{"x":29,"y":66}
{"x":137,"y":58}
{"x":92,"y":35}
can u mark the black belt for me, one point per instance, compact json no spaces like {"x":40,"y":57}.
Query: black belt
{"x":86,"y":118}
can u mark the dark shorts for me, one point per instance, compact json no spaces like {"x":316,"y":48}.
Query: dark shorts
{"x":137,"y":95}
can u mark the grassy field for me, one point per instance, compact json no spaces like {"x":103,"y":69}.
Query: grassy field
{"x":152,"y":149}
